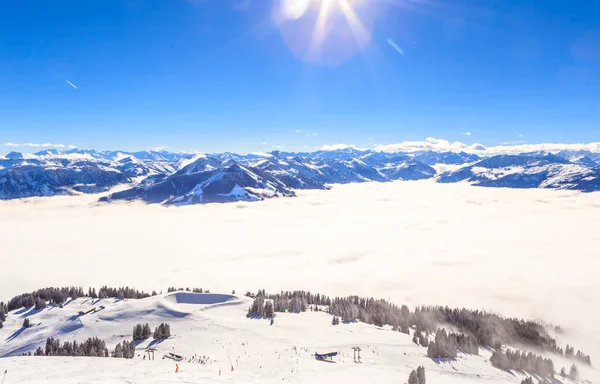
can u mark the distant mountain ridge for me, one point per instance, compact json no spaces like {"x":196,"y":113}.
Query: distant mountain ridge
{"x":183,"y":179}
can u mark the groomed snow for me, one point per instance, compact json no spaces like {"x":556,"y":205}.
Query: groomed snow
{"x":526,"y":253}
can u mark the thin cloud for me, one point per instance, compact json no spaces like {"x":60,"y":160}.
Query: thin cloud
{"x":315,"y":134}
{"x":71,"y":84}
{"x":276,"y":146}
{"x":159,"y":149}
{"x":395,"y":46}
{"x":298,"y":131}
{"x":521,"y":135}
{"x":337,"y":147}
{"x":40,"y":145}
{"x":466,"y":133}
{"x":441,"y":145}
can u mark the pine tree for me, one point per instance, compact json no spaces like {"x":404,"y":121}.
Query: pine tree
{"x":563,"y":373}
{"x":269,"y":311}
{"x":118,"y":353}
{"x":146,"y":331}
{"x":163,"y":331}
{"x":26,"y":323}
{"x":413,"y":378}
{"x":421,"y":375}
{"x":39,"y":304}
{"x":574,"y":373}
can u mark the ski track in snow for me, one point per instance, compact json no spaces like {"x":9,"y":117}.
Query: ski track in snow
{"x":526,"y":253}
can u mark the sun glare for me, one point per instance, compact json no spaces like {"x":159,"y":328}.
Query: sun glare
{"x":325,"y":31}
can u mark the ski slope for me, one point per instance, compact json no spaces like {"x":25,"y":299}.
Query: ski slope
{"x":216,"y":326}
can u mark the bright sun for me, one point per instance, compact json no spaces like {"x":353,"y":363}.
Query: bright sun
{"x":311,"y":25}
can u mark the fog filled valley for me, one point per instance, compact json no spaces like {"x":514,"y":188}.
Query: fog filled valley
{"x":524,"y":253}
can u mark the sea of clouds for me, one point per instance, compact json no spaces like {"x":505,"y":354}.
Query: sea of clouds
{"x":531,"y":253}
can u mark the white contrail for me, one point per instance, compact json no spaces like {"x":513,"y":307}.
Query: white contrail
{"x":395,"y":46}
{"x":71,"y":84}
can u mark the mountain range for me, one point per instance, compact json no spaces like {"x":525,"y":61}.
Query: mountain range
{"x":182,"y":179}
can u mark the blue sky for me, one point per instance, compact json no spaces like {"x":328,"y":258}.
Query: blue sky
{"x":234,"y":75}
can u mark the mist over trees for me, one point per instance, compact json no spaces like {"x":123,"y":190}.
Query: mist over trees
{"x":580,"y":356}
{"x":574,"y":373}
{"x":517,"y":360}
{"x":446,"y":345}
{"x":475,"y":327}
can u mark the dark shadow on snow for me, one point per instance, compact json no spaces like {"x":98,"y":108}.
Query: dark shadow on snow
{"x":32,"y":311}
{"x":440,"y":361}
{"x":71,"y":327}
{"x":22,"y":310}
{"x":16,"y":334}
{"x":67,"y":302}
{"x":155,"y":343}
{"x":258,"y":318}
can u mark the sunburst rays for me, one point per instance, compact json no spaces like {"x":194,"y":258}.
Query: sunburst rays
{"x":325,"y":31}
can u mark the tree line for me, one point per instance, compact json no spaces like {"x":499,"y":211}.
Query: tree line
{"x":55,"y":296}
{"x":517,"y":360}
{"x":92,"y":347}
{"x":573,"y":373}
{"x":58,"y":296}
{"x":193,"y":290}
{"x":570,"y":353}
{"x":478,"y":327}
{"x":143,"y":332}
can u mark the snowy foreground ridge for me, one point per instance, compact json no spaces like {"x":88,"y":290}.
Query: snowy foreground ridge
{"x":183,"y":179}
{"x":219,"y":344}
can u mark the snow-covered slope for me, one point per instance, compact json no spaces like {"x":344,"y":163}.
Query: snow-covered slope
{"x":181,"y":178}
{"x":231,"y":182}
{"x":51,"y":172}
{"x":235,"y":349}
{"x":528,"y":171}
{"x":254,"y":177}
